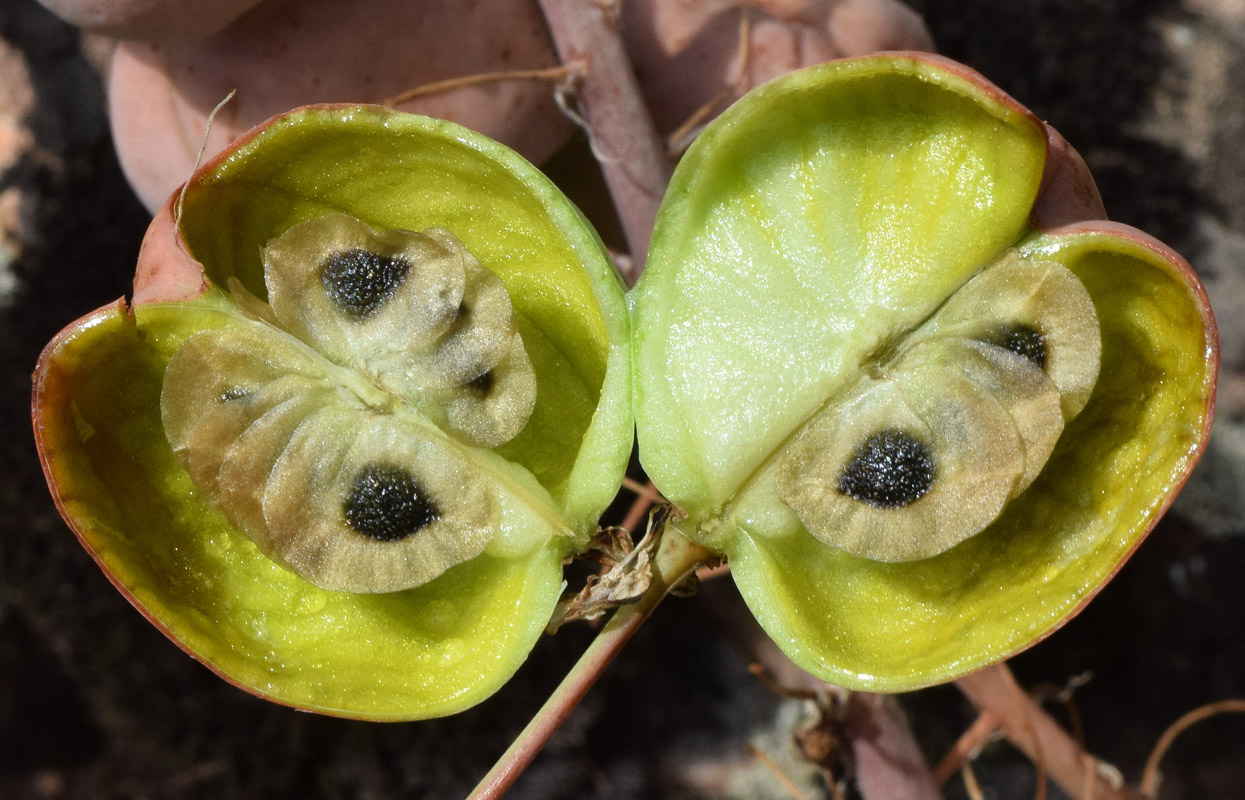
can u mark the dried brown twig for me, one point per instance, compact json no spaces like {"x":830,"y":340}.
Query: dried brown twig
{"x":1064,"y":695}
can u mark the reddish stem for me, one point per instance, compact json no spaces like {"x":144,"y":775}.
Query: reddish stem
{"x":676,"y":558}
{"x":1151,"y":776}
{"x":622,"y":133}
{"x":966,"y":747}
{"x":1039,"y":737}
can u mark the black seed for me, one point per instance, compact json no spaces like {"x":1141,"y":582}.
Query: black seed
{"x":1023,"y":341}
{"x":387,"y":504}
{"x":359,"y":282}
{"x":482,"y":384}
{"x":890,"y":469}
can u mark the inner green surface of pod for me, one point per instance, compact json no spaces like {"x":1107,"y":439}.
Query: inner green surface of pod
{"x":394,"y":170}
{"x":781,"y":273}
{"x":408,"y":654}
{"x":892,"y":627}
{"x":420,"y":653}
{"x":817,"y":220}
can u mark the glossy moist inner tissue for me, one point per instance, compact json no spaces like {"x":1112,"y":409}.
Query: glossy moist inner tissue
{"x":340,"y":426}
{"x":952,"y":422}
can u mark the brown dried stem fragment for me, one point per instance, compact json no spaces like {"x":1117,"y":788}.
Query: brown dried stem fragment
{"x":624,"y":583}
{"x":986,"y":727}
{"x":610,"y":545}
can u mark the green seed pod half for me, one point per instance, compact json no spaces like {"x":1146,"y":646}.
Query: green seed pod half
{"x":372,"y":389}
{"x":923,"y":411}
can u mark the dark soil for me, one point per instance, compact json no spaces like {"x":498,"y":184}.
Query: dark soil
{"x":95,"y":703}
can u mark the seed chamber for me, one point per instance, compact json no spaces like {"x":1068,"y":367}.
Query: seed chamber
{"x":340,"y":427}
{"x":925,"y":450}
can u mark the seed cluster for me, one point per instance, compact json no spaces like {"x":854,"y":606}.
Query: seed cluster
{"x":387,"y":504}
{"x":1024,"y":341}
{"x":359,"y":281}
{"x":890,"y":469}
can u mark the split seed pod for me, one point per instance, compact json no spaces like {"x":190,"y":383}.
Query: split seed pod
{"x":923,"y":411}
{"x":370,"y":393}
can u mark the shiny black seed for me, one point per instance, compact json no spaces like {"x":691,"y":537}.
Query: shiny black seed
{"x":359,"y":281}
{"x":1023,"y":341}
{"x":890,"y":469}
{"x":387,"y":504}
{"x":482,"y":385}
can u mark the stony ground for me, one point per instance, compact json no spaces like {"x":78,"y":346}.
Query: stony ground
{"x":94,"y":703}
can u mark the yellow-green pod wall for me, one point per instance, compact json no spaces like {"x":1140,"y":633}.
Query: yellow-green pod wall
{"x":419,"y":653}
{"x":812,"y":226}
